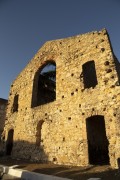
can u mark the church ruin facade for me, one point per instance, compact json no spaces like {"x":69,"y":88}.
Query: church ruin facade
{"x":64,"y":106}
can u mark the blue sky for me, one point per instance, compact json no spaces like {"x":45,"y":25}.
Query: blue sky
{"x":25,"y":25}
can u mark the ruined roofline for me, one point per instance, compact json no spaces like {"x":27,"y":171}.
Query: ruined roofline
{"x":104,"y":30}
{"x":70,"y":37}
{"x":61,"y":39}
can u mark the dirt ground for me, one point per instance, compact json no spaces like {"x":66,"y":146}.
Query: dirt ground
{"x":76,"y":173}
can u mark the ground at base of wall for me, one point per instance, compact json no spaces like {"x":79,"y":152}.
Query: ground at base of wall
{"x":77,"y":173}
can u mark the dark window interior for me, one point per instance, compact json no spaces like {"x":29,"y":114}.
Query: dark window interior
{"x":15,"y":104}
{"x":97,"y":140}
{"x":44,"y":88}
{"x":89,"y":74}
{"x":9,"y":143}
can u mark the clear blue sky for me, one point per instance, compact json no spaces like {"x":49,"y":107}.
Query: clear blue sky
{"x":25,"y":25}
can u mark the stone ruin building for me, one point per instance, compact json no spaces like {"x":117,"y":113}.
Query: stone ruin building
{"x":64,"y":107}
{"x":3,"y":107}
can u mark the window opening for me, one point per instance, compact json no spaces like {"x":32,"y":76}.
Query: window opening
{"x":89,"y":74}
{"x":44,"y":88}
{"x":9,"y":143}
{"x":15,"y":104}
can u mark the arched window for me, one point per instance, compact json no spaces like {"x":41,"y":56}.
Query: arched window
{"x":44,"y":86}
{"x":89,"y":74}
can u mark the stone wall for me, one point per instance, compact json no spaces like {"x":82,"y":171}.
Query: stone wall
{"x":3,"y":107}
{"x":57,"y":131}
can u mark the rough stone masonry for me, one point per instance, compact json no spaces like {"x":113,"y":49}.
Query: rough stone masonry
{"x":68,"y":114}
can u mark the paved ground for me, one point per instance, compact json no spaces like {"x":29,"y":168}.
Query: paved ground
{"x":76,"y":173}
{"x":8,"y":177}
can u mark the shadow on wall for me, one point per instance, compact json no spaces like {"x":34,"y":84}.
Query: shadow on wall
{"x":26,"y":150}
{"x":3,"y":106}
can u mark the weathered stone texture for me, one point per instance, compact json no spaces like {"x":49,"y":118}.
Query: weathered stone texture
{"x":63,"y":131}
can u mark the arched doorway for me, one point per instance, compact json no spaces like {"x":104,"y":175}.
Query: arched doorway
{"x":9,"y":143}
{"x":97,"y":140}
